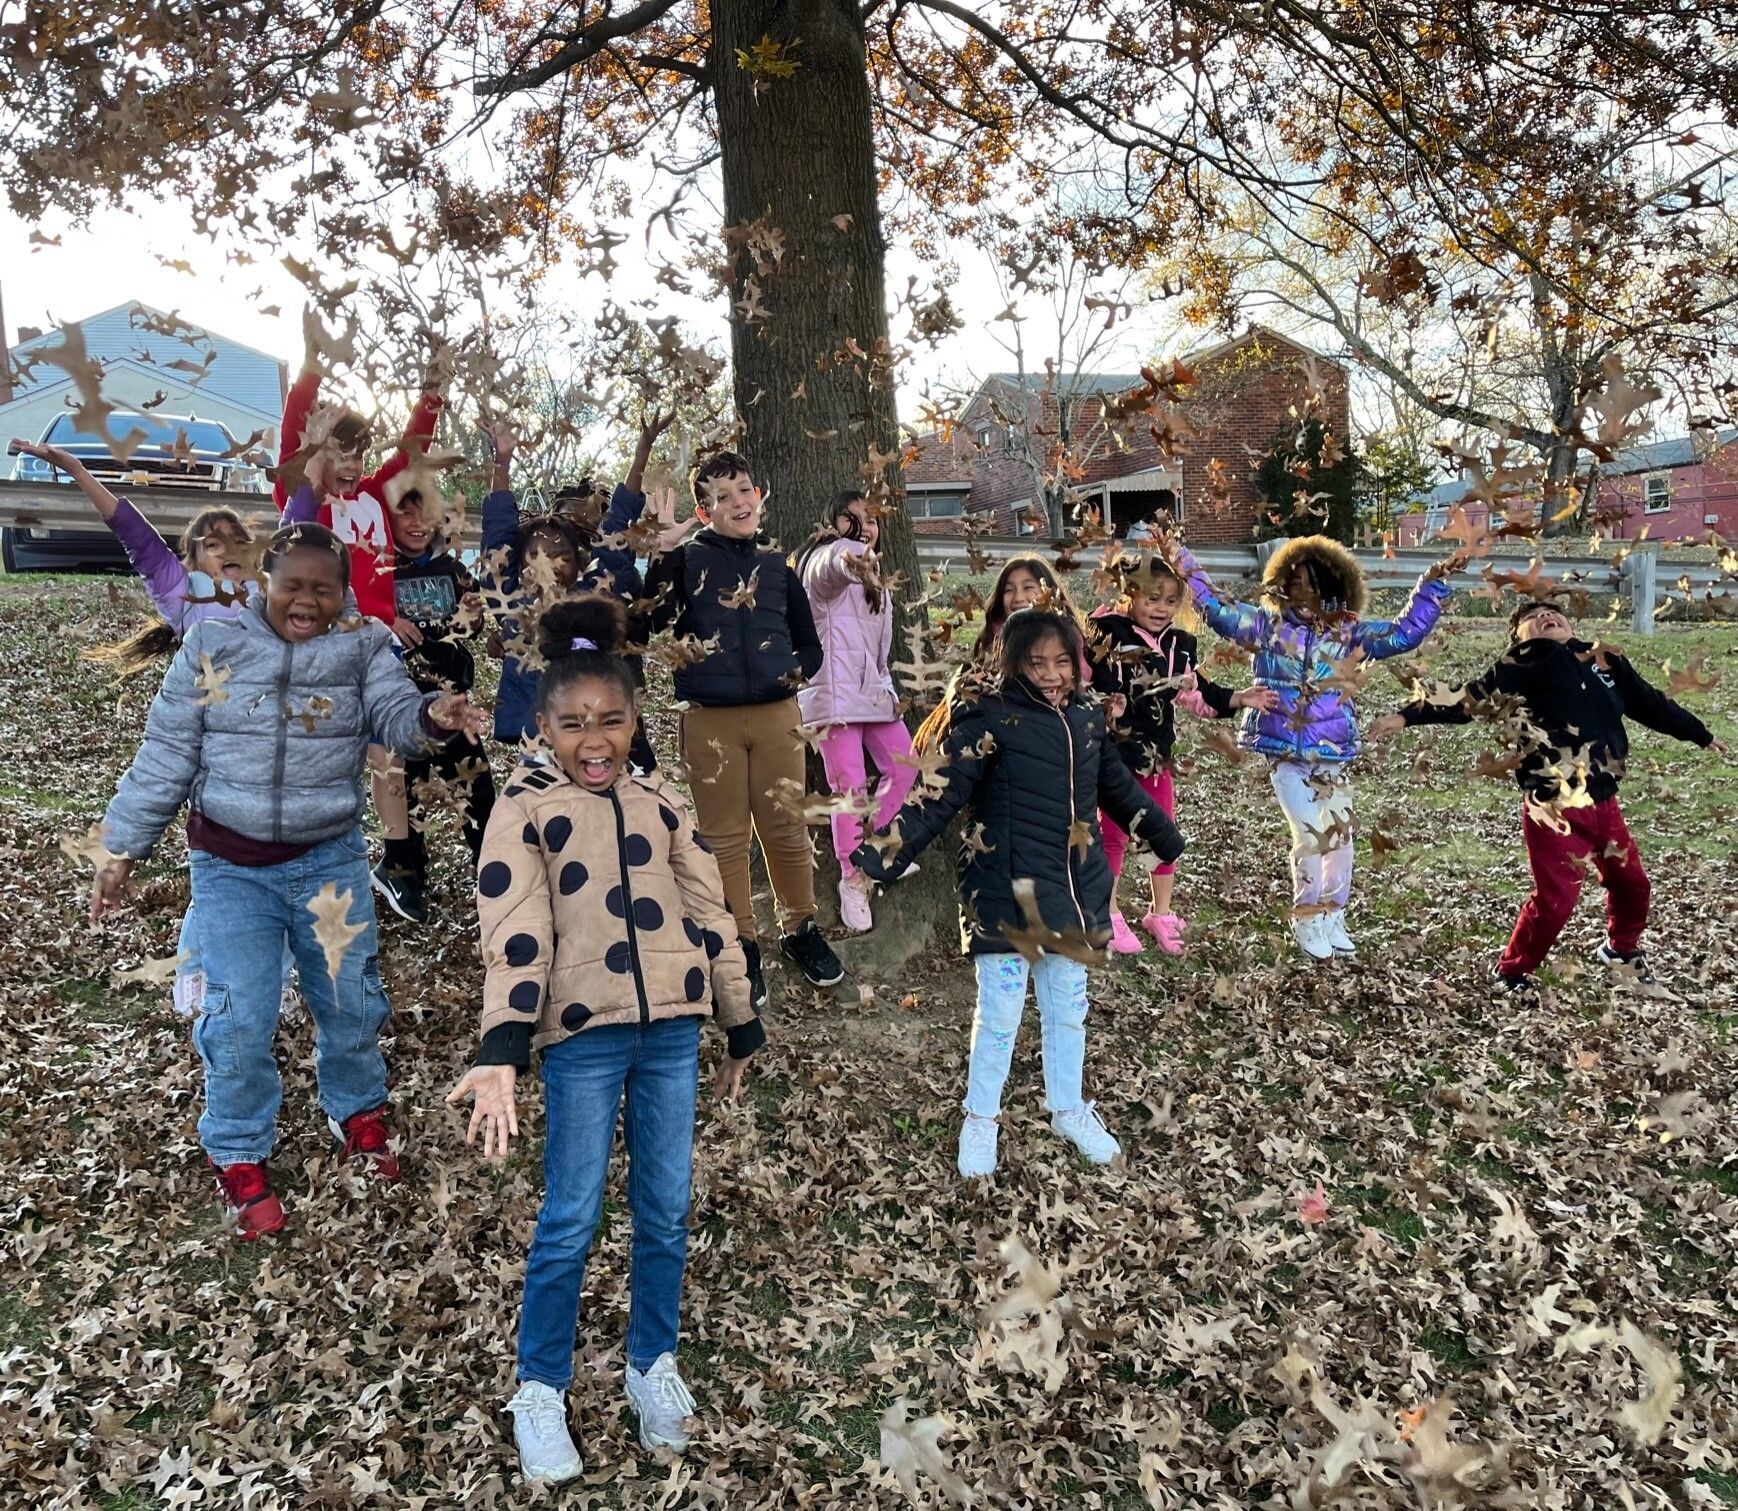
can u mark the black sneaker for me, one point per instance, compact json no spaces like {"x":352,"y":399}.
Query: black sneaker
{"x":756,"y":976}
{"x":1633,"y":965}
{"x":405,"y":891}
{"x":1512,"y":986}
{"x":810,"y":953}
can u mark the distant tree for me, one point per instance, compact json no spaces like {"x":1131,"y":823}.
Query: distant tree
{"x":1395,"y":474}
{"x":1301,"y":490}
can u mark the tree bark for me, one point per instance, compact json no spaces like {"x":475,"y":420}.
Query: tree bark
{"x":799,"y":154}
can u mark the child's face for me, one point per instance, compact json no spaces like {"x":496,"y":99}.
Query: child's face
{"x":1050,"y":668}
{"x":411,"y":529}
{"x":304,"y":593}
{"x":589,"y":724}
{"x":1301,"y":590}
{"x":868,"y":527}
{"x":1155,"y":610}
{"x":1020,"y":590}
{"x":222,"y":553}
{"x":1545,"y":624}
{"x":732,"y":505}
{"x":344,"y":466}
{"x":550,"y":559}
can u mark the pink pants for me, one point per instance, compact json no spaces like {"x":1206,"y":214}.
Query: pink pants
{"x":1159,"y":787}
{"x":842,"y":751}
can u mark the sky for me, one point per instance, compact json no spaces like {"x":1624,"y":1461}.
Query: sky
{"x":121,"y":256}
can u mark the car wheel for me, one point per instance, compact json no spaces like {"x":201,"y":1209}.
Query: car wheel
{"x":8,"y":554}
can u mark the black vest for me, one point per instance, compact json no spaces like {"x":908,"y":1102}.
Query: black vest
{"x":754,"y":661}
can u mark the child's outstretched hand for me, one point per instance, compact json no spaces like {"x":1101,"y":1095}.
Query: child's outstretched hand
{"x":493,"y":1109}
{"x":1385,"y":725}
{"x":661,"y":506}
{"x":1255,"y":696}
{"x":109,"y":892}
{"x":1720,"y":747}
{"x":53,"y":455}
{"x":1449,"y":564}
{"x":727,"y":1083}
{"x":456,"y":712}
{"x":502,"y":438}
{"x":651,"y":427}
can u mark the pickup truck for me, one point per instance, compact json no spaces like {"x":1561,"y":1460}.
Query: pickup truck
{"x":180,"y":451}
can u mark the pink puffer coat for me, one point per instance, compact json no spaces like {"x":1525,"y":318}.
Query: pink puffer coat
{"x":854,"y":685}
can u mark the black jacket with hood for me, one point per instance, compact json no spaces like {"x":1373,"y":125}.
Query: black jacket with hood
{"x":1034,"y":777}
{"x":1575,"y":698}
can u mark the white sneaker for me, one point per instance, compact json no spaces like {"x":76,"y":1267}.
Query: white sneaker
{"x":854,"y":904}
{"x":187,"y":992}
{"x":1334,"y":931}
{"x":978,"y":1146}
{"x":546,"y":1450}
{"x":662,"y":1402}
{"x":911,"y":869}
{"x":1082,"y":1127}
{"x":1312,"y":936}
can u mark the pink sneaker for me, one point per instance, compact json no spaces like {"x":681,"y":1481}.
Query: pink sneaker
{"x":1167,"y":929}
{"x":1122,"y":937}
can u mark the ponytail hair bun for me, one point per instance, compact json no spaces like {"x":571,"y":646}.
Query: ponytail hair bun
{"x":581,"y":638}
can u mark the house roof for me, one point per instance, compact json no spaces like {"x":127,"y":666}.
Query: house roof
{"x":1264,"y":332}
{"x":243,"y":375}
{"x":1658,"y":456}
{"x":1072,"y":385}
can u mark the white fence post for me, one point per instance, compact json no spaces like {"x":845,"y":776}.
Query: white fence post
{"x":1639,"y":571}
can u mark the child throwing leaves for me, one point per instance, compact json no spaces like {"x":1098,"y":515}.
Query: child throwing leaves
{"x":1308,"y":640}
{"x":1144,"y":663}
{"x":1562,"y":702}
{"x":731,"y":592}
{"x":852,"y":698}
{"x":1029,"y":757}
{"x":606,"y":940}
{"x":259,"y":729}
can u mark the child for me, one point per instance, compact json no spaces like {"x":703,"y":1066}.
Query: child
{"x":1029,"y":758}
{"x":605,"y":941}
{"x":852,"y":696}
{"x":434,"y":595}
{"x":260,"y":727}
{"x":1572,"y":700}
{"x":1144,"y":664}
{"x":531,"y":563}
{"x":740,"y":735}
{"x":210,"y":579}
{"x":1305,"y":635}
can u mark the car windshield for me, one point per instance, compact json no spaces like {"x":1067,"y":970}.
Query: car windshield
{"x":202,"y":435}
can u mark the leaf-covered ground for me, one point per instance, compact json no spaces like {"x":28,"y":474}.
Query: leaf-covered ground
{"x":1502,"y":1188}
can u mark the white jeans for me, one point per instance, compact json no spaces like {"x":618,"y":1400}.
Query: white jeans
{"x":1317,"y":801}
{"x":1060,"y":985}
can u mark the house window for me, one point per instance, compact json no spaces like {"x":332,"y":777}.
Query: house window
{"x":1656,"y":493}
{"x":938,"y":505}
{"x":983,"y":435}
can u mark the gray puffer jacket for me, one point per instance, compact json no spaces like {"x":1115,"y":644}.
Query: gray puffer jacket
{"x":277,"y":748}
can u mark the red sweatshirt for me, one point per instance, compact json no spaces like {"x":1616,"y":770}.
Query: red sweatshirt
{"x":362,"y":520}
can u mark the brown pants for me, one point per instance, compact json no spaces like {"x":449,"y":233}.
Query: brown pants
{"x":744,"y":765}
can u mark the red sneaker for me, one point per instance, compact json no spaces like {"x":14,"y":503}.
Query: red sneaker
{"x":250,"y":1199}
{"x":366,"y":1133}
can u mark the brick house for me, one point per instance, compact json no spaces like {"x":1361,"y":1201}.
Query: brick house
{"x":1676,"y":489}
{"x":1244,"y":393}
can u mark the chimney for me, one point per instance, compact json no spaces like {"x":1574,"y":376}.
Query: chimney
{"x":5,"y":356}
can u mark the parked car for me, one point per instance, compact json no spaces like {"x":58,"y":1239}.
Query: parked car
{"x":179,"y":451}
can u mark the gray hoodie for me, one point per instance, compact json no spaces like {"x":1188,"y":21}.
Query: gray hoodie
{"x":277,"y":747}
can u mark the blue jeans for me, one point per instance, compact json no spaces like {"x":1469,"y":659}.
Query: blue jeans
{"x":1060,"y":985}
{"x":247,"y":914}
{"x":657,"y":1065}
{"x":187,"y":945}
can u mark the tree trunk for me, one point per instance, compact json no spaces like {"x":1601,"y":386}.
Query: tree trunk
{"x":799,"y":157}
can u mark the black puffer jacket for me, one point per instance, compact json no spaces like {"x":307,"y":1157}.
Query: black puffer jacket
{"x":1034,"y":777}
{"x":1127,"y":660}
{"x":767,"y":644}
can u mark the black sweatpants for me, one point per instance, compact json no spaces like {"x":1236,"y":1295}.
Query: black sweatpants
{"x":445,"y":764}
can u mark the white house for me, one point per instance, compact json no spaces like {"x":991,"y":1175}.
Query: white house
{"x":140,"y":349}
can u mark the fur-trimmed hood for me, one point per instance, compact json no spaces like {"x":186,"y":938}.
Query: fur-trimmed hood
{"x":1327,"y":558}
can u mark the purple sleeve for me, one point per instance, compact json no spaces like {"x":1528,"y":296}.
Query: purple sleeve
{"x":301,"y":508}
{"x":163,"y":571}
{"x":1242,"y":622}
{"x":1394,"y":637}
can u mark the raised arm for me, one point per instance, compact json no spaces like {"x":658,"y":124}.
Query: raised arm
{"x":298,"y":405}
{"x":418,"y":432}
{"x":825,"y":574}
{"x":1648,"y":706}
{"x":1380,"y":638}
{"x":1243,"y":622}
{"x":394,"y":707}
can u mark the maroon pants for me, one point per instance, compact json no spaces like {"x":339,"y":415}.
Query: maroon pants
{"x":1597,"y":837}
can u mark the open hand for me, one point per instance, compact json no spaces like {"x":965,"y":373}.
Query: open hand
{"x":503,"y":439}
{"x":493,"y":1108}
{"x":406,"y":630}
{"x":1385,"y":725}
{"x":1256,"y":696}
{"x":53,"y":455}
{"x":109,"y":892}
{"x":1720,"y":747}
{"x":456,"y":712}
{"x":1450,"y":564}
{"x":651,"y":427}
